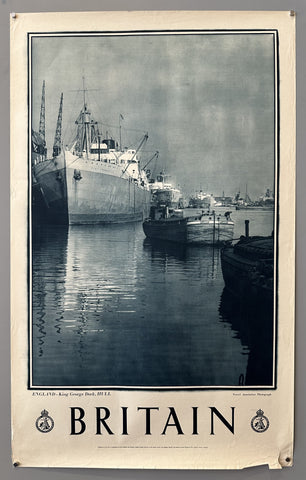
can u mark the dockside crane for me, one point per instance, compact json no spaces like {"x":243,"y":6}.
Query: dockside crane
{"x":39,"y":140}
{"x":42,"y":118}
{"x":57,"y":145}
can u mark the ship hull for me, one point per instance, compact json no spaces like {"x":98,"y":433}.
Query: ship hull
{"x":210,"y":232}
{"x":78,"y":192}
{"x":99,"y":198}
{"x":248,"y":272}
{"x":169,"y":230}
{"x":50,"y":192}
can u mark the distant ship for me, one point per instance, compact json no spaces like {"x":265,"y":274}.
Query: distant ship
{"x":244,"y":203}
{"x":164,"y":193}
{"x":94,"y":181}
{"x":201,"y":200}
{"x":267,"y":200}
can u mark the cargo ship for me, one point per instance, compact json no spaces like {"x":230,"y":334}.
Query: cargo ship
{"x":94,"y":180}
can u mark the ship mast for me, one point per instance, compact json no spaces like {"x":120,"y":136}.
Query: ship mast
{"x":86,"y":120}
{"x":88,"y":131}
{"x":247,"y":198}
{"x":58,"y":133}
{"x":84,"y":92}
{"x":120,"y":118}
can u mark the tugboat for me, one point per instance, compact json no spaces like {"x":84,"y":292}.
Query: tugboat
{"x":208,"y":228}
{"x":248,"y":267}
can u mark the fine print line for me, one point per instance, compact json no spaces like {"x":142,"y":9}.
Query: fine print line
{"x":146,"y":447}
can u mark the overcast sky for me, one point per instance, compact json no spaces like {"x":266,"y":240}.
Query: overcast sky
{"x":207,"y":101}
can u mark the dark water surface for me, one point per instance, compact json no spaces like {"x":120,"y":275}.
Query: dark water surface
{"x":110,"y":308}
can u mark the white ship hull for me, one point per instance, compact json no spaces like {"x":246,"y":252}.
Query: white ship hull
{"x":81,"y":191}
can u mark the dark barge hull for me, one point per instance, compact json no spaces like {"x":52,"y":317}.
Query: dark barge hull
{"x":248,"y":269}
{"x":170,"y":230}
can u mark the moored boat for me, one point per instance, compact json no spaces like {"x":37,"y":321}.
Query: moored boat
{"x":204,"y":229}
{"x":248,"y":268}
{"x":94,"y":180}
{"x":210,"y":229}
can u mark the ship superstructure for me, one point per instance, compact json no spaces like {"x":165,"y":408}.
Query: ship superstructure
{"x":164,"y":193}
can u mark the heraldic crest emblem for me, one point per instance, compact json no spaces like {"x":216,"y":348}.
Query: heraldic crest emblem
{"x":260,"y":422}
{"x":44,"y":423}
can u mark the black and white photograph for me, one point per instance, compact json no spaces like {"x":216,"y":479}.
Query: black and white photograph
{"x":153,"y":239}
{"x":153,"y":209}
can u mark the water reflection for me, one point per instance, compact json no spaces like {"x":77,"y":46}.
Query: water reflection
{"x":110,"y":309}
{"x":48,"y":285}
{"x":253,"y":325}
{"x":163,"y":252}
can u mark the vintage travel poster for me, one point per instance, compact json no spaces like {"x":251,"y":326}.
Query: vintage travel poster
{"x":152,"y":239}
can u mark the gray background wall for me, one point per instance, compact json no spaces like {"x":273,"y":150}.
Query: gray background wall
{"x":7,"y":472}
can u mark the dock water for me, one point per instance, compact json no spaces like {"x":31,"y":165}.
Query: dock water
{"x":111,"y":308}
